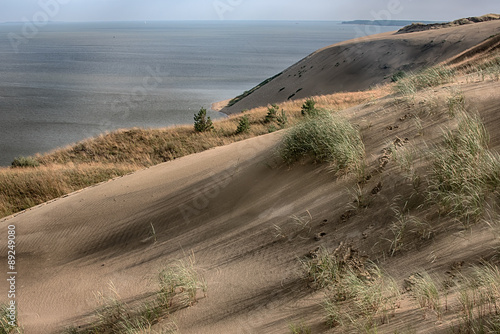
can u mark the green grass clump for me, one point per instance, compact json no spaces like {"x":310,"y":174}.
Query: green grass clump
{"x":325,"y":269}
{"x":426,"y":292}
{"x":370,"y":299}
{"x":464,"y":170}
{"x":179,"y":284}
{"x":324,"y":138}
{"x":431,"y":77}
{"x":478,"y":299}
{"x":25,"y":162}
{"x":300,"y":328}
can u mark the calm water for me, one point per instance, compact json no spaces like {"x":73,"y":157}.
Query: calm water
{"x":76,"y":80}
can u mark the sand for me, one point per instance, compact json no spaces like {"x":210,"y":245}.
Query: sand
{"x":222,"y":205}
{"x":366,"y":62}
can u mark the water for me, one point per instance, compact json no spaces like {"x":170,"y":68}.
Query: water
{"x":76,"y":80}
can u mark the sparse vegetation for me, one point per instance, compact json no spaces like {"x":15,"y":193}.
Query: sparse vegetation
{"x":431,"y":77}
{"x":456,"y":103}
{"x":300,"y":328}
{"x":325,"y":138}
{"x":179,"y":285}
{"x":426,"y":292}
{"x":6,"y":321}
{"x":404,"y":225}
{"x":464,"y":170}
{"x":478,"y":298}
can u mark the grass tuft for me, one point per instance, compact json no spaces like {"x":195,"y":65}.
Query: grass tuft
{"x":464,"y":170}
{"x":325,"y":138}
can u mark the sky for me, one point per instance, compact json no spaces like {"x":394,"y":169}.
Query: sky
{"x":149,"y":10}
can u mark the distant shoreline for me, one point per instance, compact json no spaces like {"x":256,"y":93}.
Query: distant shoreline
{"x":389,"y":23}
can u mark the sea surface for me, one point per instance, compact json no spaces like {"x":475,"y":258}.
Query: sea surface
{"x":69,"y":81}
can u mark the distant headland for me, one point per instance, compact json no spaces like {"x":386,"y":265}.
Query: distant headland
{"x":392,"y":23}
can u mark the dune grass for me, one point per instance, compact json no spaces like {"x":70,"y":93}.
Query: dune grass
{"x":35,"y":180}
{"x":325,"y":138}
{"x":5,"y":327}
{"x":464,"y":171}
{"x":430,"y":77}
{"x":178,"y":287}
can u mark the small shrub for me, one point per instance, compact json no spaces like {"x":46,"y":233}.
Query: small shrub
{"x":202,"y":123}
{"x":272,"y":114}
{"x":309,"y":107}
{"x":25,"y":162}
{"x":324,"y":138}
{"x":244,"y":125}
{"x":282,"y":119}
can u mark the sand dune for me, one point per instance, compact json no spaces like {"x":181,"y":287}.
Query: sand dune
{"x":368,"y":61}
{"x":223,"y":205}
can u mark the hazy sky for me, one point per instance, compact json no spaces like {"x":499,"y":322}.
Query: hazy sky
{"x":125,"y":10}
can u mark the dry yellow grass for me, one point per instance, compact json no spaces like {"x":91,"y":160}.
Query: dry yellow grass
{"x":114,"y":154}
{"x":22,"y":188}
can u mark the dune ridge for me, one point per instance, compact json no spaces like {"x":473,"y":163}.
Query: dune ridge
{"x":248,"y":219}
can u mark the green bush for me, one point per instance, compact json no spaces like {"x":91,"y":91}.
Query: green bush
{"x":244,"y":125}
{"x":272,"y":113}
{"x":309,"y":107}
{"x":202,"y":123}
{"x":25,"y":162}
{"x":273,"y":116}
{"x":324,"y":138}
{"x":282,"y":119}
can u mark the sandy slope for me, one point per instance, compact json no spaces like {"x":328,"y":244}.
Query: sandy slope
{"x":358,"y":64}
{"x":221,"y":205}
